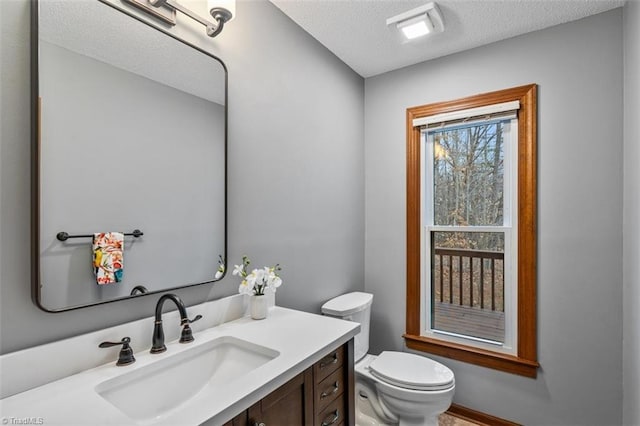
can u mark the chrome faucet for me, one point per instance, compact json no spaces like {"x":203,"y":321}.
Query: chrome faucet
{"x":158,"y":332}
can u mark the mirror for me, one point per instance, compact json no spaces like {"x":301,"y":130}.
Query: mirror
{"x":129,"y":134}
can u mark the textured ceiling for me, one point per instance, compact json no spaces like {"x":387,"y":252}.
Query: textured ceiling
{"x":356,"y":31}
{"x":100,"y":32}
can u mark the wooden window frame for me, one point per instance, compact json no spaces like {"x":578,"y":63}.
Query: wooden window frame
{"x":525,"y":362}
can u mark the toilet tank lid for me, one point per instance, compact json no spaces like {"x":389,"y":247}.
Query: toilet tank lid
{"x":347,"y":304}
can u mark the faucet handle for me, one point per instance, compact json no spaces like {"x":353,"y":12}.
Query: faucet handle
{"x":126,"y":353}
{"x":186,"y":321}
{"x":189,"y":321}
{"x":187,"y":334}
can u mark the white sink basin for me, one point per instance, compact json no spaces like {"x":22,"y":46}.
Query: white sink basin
{"x":150,"y":392}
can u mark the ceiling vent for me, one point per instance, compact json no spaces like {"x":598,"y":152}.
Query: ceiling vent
{"x":418,"y":22}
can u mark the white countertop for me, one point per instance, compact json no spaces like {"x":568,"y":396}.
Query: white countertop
{"x":301,"y":339}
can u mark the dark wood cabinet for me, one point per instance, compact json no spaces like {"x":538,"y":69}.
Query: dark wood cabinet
{"x":322,"y":395}
{"x":330,"y":376}
{"x":239,"y":420}
{"x":290,"y":404}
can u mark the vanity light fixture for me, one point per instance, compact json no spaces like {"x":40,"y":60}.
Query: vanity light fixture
{"x":418,"y":22}
{"x":222,"y":11}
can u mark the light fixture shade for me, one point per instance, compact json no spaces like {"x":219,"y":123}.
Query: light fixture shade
{"x":229,"y":5}
{"x":415,"y":27}
{"x":418,"y":22}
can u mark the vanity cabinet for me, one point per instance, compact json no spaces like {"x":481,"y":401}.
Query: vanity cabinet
{"x":291,"y":404}
{"x":322,"y":395}
{"x":331,"y":375}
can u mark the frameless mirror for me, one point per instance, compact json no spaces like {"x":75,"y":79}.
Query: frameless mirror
{"x":129,"y":134}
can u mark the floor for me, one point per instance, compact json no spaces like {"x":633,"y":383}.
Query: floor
{"x":449,"y":420}
{"x":482,"y":323}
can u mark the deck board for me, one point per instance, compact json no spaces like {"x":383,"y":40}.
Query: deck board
{"x":482,"y":323}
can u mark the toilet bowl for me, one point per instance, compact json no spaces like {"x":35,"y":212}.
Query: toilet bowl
{"x":414,"y":392}
{"x":393,"y":388}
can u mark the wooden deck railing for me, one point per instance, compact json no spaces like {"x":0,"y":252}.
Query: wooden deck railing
{"x":473,"y":278}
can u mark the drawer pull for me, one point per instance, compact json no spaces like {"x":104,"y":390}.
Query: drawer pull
{"x":336,"y":416}
{"x":331,"y":359}
{"x":325,"y":394}
{"x":259,"y":424}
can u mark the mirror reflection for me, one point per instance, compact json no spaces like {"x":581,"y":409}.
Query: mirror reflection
{"x":132,"y":137}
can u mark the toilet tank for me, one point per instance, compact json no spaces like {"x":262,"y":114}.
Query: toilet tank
{"x":355,"y":307}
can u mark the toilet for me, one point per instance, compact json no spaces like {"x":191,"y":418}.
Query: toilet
{"x":393,"y":388}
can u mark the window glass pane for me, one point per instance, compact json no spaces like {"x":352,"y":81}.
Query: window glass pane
{"x":467,"y":291}
{"x":468,"y":174}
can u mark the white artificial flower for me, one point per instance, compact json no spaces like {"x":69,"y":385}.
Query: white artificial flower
{"x":258,"y":280}
{"x":251,"y":278}
{"x":274,"y":282}
{"x":219,"y":272}
{"x":238,"y":270}
{"x":277,"y":282}
{"x":259,"y":276}
{"x":245,"y":287}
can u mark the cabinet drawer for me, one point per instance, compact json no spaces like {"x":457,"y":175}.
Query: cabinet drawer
{"x":328,"y":364}
{"x":333,"y":415}
{"x":328,"y":389}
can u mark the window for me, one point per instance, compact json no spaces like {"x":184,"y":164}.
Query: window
{"x":471,"y":201}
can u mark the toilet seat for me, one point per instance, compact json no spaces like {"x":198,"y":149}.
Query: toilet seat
{"x":410,"y":371}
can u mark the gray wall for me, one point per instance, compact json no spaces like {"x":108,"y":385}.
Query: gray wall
{"x":296,"y":172}
{"x":578,"y":67}
{"x":631,"y":337}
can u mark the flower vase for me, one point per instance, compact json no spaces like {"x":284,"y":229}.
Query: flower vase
{"x":258,"y":306}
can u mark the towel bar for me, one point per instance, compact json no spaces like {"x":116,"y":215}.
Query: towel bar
{"x":63,"y":236}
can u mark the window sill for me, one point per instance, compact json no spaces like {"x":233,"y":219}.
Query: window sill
{"x":497,"y":361}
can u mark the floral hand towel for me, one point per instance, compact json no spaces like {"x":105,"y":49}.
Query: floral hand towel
{"x":107,"y":257}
